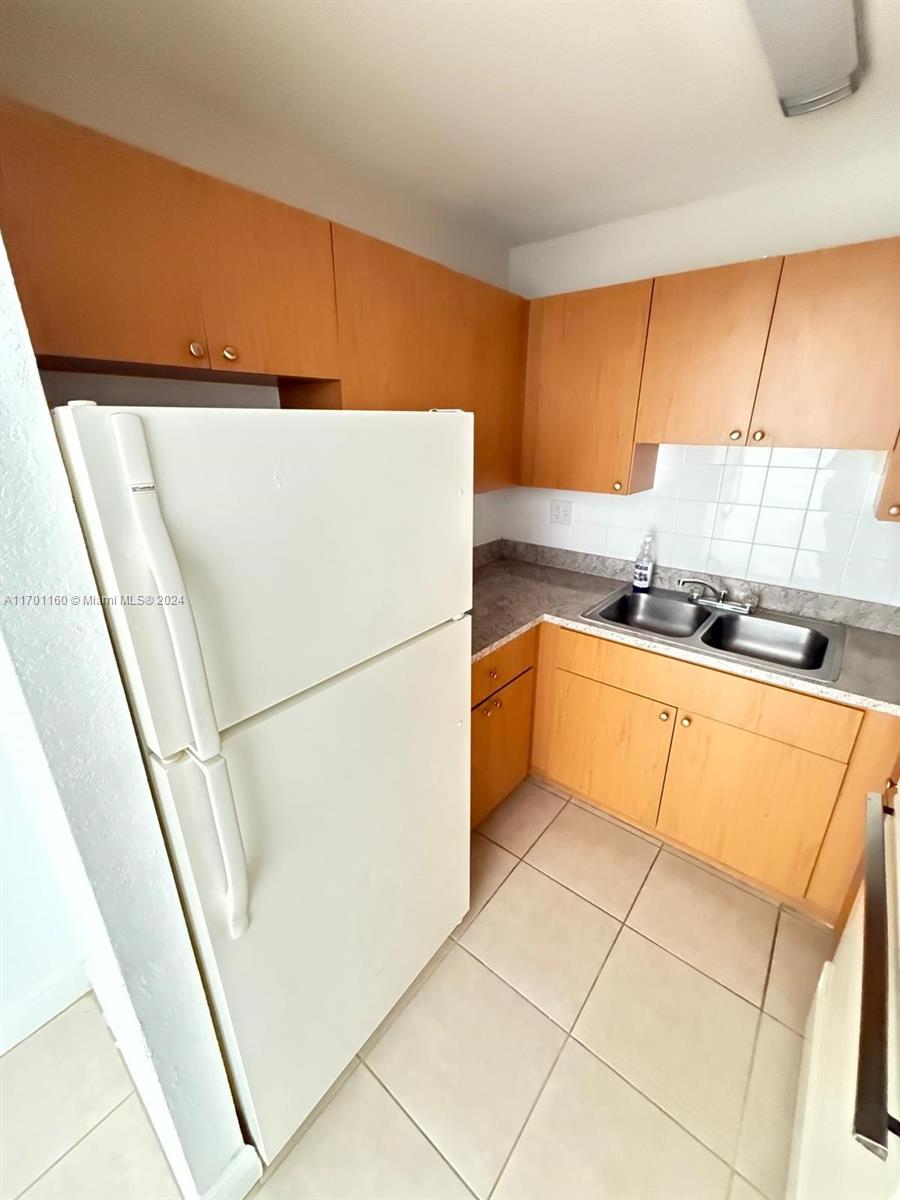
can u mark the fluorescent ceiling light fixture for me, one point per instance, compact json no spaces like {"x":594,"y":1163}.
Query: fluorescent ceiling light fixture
{"x":812,"y":50}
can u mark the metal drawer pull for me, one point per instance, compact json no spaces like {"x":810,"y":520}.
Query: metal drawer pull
{"x":498,"y":704}
{"x":686,"y":721}
{"x":871,"y":1120}
{"x":494,"y":674}
{"x":664,"y":716}
{"x":487,"y":712}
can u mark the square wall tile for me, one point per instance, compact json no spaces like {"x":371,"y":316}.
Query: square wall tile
{"x":704,"y":454}
{"x":623,"y":543}
{"x":689,"y":552}
{"x":855,"y":460}
{"x":839,"y":490}
{"x":660,"y":514}
{"x":735,"y":522}
{"x":779,"y":527}
{"x":742,"y":485}
{"x":700,"y":481}
{"x":818,"y":572}
{"x":696,"y":517}
{"x":830,"y":533}
{"x":748,"y":456}
{"x":871,"y":579}
{"x":728,"y":558}
{"x":787,"y":487}
{"x":784,"y":456}
{"x":771,"y":564}
{"x":876,"y":539}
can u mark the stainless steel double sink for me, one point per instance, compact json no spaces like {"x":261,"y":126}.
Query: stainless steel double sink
{"x":793,"y":645}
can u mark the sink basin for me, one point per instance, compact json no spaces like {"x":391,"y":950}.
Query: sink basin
{"x":654,"y":612}
{"x":796,"y":646}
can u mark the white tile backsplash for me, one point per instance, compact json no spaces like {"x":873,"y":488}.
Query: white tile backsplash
{"x":800,"y":517}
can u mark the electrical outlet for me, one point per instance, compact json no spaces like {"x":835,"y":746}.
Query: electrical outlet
{"x":560,"y":512}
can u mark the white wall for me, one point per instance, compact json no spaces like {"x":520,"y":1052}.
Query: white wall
{"x":42,"y":967}
{"x":800,"y":518}
{"x":854,"y":202}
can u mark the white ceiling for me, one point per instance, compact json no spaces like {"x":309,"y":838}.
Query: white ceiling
{"x":525,"y":118}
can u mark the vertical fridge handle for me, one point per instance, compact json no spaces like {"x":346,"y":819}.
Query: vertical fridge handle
{"x":228,"y":832}
{"x":128,"y":429}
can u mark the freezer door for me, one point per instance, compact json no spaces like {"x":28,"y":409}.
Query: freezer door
{"x":308,"y":542}
{"x":353,"y":804}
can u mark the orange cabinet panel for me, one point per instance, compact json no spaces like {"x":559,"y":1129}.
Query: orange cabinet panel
{"x":501,"y":744}
{"x":416,"y":335}
{"x":831,"y":375}
{"x":705,"y":348}
{"x":585,"y":351}
{"x":103,"y":243}
{"x":887,"y":503}
{"x":496,"y":669}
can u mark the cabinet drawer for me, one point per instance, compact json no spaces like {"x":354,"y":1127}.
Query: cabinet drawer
{"x":819,"y":726}
{"x":501,"y":744}
{"x":503,"y":664}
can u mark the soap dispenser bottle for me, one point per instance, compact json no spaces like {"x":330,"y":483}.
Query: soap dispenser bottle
{"x":643,"y":565}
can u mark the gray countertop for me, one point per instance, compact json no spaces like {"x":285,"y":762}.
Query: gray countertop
{"x":511,"y":596}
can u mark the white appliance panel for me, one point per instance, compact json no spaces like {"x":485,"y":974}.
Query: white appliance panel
{"x":353,"y":802}
{"x":308,"y":541}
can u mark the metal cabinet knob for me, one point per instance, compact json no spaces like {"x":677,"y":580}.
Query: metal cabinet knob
{"x":197,"y":349}
{"x":758,"y":435}
{"x":686,"y":721}
{"x":617,"y":487}
{"x":498,"y":704}
{"x":894,"y":510}
{"x":664,"y":716}
{"x":230,"y":353}
{"x":494,"y":674}
{"x":735,"y":435}
{"x":487,"y":712}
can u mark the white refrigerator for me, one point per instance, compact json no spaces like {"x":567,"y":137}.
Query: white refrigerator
{"x":287,"y":594}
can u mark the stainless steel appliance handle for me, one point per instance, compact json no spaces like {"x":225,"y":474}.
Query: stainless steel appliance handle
{"x":872,"y":1122}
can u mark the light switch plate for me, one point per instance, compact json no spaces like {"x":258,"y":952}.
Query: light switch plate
{"x":560,"y":512}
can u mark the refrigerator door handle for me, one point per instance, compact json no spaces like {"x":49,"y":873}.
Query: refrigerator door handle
{"x":128,"y":430}
{"x":231,"y":845}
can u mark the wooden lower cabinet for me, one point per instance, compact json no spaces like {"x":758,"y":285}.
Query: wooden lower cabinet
{"x":754,"y":804}
{"x":501,"y":744}
{"x":610,"y":746}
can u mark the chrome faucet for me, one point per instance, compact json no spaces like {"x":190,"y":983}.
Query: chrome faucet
{"x":720,"y":601}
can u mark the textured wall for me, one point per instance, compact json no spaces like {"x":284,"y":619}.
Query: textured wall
{"x":72,"y":732}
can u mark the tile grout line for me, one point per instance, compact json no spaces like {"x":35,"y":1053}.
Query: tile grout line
{"x":87,"y":1133}
{"x":567,"y":1038}
{"x":413,"y":1121}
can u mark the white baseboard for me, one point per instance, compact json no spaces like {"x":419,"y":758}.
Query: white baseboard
{"x":25,"y":1015}
{"x":244,"y":1170}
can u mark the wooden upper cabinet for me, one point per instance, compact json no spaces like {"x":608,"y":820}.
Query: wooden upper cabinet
{"x":887,"y":502}
{"x":123,"y":256}
{"x":583,"y":376}
{"x":831,"y":375}
{"x":268,"y":285}
{"x":705,"y":348}
{"x":102,"y":242}
{"x":414,"y":334}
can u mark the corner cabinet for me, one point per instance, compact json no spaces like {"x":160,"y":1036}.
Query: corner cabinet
{"x":583,"y":376}
{"x":416,"y":335}
{"x":503,"y":691}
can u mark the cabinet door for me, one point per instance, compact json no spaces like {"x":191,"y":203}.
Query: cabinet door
{"x":582,"y":380}
{"x":751,"y":803}
{"x":887,"y":504}
{"x":705,"y":349}
{"x":268,"y":285}
{"x":501,"y":744}
{"x":103,"y":242}
{"x":416,"y":335}
{"x":831,"y":375}
{"x":610,"y":746}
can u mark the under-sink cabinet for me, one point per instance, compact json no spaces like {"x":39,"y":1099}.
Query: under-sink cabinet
{"x":744,"y":773}
{"x":503,"y":696}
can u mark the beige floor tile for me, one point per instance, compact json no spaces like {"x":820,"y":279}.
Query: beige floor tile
{"x":544,"y":940}
{"x":54,"y":1087}
{"x":466,"y":1059}
{"x":681,"y":1039}
{"x":489,"y":865}
{"x":721,"y":929}
{"x":363,"y":1145}
{"x":430,"y":967}
{"x":600,"y":860}
{"x":555,"y":788}
{"x":592,"y":1137}
{"x":522,"y":817}
{"x":801,"y":948}
{"x":120,"y":1159}
{"x":764,"y":1148}
{"x":742,"y":1190}
{"x":608,"y":816}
